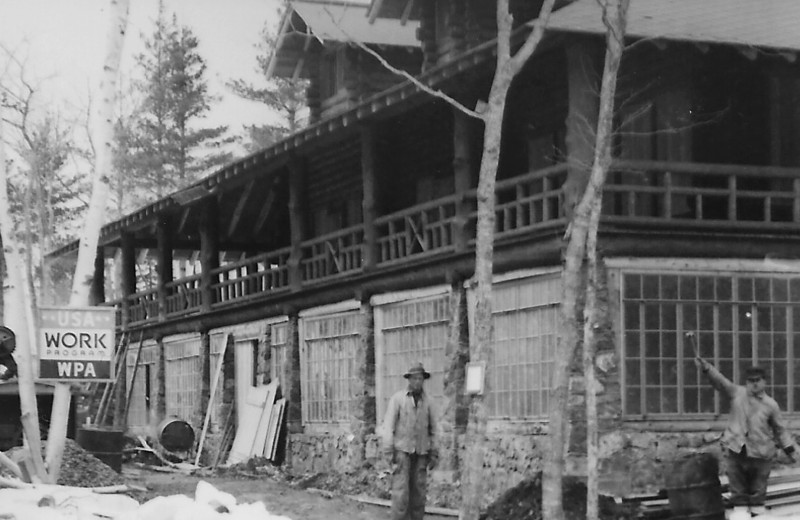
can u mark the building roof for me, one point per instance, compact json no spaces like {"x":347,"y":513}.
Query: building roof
{"x":768,"y":24}
{"x":307,"y":23}
{"x":403,"y":10}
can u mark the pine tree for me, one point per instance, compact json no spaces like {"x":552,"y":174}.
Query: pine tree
{"x":165,"y":144}
{"x":285,"y":96}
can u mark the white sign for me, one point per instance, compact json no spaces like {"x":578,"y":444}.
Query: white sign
{"x":474,"y":379}
{"x":77,"y":343}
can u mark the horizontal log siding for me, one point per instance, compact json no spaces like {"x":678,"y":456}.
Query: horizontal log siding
{"x":416,"y":146}
{"x":333,"y":175}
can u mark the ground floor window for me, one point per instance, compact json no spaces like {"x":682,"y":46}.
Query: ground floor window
{"x":739,"y":319}
{"x":525,"y":313}
{"x":328,"y":349}
{"x":411,"y":330}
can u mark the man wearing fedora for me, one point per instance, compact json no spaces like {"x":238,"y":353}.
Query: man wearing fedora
{"x":754,"y":427}
{"x":409,"y":444}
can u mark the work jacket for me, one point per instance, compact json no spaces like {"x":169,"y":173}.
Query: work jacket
{"x":754,"y":421}
{"x":409,"y":427}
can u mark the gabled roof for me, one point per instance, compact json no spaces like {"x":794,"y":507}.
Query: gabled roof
{"x":307,"y":23}
{"x":771,"y":24}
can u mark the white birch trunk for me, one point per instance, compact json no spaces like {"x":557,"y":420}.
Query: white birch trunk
{"x":95,"y":216}
{"x":19,"y":293}
{"x":508,"y":66}
{"x":582,"y":245}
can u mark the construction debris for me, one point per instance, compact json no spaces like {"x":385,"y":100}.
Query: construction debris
{"x":43,"y":502}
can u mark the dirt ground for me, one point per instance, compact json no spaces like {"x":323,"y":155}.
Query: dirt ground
{"x":279,"y":497}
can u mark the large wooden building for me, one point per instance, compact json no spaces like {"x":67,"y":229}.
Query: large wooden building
{"x":334,"y":258}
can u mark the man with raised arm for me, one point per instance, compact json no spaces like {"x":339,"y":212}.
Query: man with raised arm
{"x":754,"y":428}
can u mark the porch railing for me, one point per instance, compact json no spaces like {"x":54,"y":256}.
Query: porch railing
{"x":420,"y":231}
{"x":251,"y":277}
{"x":698,"y":195}
{"x":332,"y":255}
{"x":638,"y":193}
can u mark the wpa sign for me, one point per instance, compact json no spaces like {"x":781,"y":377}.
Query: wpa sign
{"x":76,"y":343}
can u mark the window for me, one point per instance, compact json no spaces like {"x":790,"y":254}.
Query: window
{"x":327,"y":363}
{"x":739,"y":319}
{"x":525,"y":316}
{"x":142,"y":398}
{"x":182,"y":376}
{"x":278,"y":360}
{"x":411,"y":331}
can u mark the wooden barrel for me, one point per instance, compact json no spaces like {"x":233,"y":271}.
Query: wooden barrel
{"x":104,"y":443}
{"x":175,"y":434}
{"x":694,"y":489}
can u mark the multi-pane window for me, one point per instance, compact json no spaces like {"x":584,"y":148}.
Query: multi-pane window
{"x":142,"y":402}
{"x":411,"y":331}
{"x":182,"y":377}
{"x":327,"y":366}
{"x":278,"y":357}
{"x":525,"y":335}
{"x":739,"y":319}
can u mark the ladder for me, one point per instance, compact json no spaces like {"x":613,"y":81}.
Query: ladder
{"x":105,"y":389}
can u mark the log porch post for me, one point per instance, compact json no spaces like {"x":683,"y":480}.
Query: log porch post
{"x":294,"y":416}
{"x":296,"y":221}
{"x":209,"y":250}
{"x":464,"y":164}
{"x":369,"y":205}
{"x":128,"y":275}
{"x":164,"y":265}
{"x":584,"y":64}
{"x":97,"y":292}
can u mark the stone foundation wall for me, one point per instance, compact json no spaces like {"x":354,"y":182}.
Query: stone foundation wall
{"x":509,"y":458}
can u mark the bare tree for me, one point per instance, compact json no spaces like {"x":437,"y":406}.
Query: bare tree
{"x":581,"y":252}
{"x":82,"y":280}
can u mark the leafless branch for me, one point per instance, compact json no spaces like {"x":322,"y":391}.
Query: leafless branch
{"x":417,"y":83}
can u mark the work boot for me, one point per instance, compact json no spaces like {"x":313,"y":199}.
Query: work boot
{"x":757,"y":510}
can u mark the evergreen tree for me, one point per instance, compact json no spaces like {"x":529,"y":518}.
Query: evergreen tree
{"x":164,"y":144}
{"x":286,"y":97}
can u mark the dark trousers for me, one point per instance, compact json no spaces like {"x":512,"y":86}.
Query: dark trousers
{"x":409,"y":486}
{"x":747,"y":477}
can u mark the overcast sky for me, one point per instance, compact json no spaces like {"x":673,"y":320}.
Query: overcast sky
{"x":64,"y":40}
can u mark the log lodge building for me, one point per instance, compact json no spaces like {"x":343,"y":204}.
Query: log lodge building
{"x":332,"y":259}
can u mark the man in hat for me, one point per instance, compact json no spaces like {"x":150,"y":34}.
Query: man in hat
{"x":754,"y":427}
{"x":409,"y":444}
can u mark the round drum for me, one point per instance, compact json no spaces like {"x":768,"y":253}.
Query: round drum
{"x":175,"y":434}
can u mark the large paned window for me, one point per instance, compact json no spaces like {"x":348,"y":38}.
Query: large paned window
{"x":182,"y":376}
{"x":739,"y":319}
{"x":525,"y":315}
{"x":278,"y":358}
{"x":327,"y":366}
{"x":142,"y":403}
{"x":410,"y":331}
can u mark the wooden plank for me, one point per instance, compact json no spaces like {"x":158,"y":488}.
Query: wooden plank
{"x":260,"y":438}
{"x":214,"y":382}
{"x":270,"y":448}
{"x":245,"y":434}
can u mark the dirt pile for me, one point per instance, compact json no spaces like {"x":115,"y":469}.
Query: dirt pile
{"x":524,"y":502}
{"x":82,"y":469}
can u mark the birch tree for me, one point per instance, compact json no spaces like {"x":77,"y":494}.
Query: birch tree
{"x":506,"y":69}
{"x":95,"y":215}
{"x":19,"y":293}
{"x":581,"y":252}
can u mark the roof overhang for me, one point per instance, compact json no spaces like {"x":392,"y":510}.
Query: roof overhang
{"x":308,"y":23}
{"x":403,"y":10}
{"x":765,"y":24}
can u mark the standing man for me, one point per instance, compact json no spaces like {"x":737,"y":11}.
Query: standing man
{"x":754,"y":428}
{"x":409,"y":436}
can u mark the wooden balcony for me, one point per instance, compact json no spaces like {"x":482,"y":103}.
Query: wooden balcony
{"x":639,"y":195}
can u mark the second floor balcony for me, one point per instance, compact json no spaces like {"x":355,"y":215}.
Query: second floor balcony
{"x":643,"y":198}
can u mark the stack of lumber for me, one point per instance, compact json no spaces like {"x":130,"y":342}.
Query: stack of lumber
{"x":260,"y":425}
{"x":783,"y":497}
